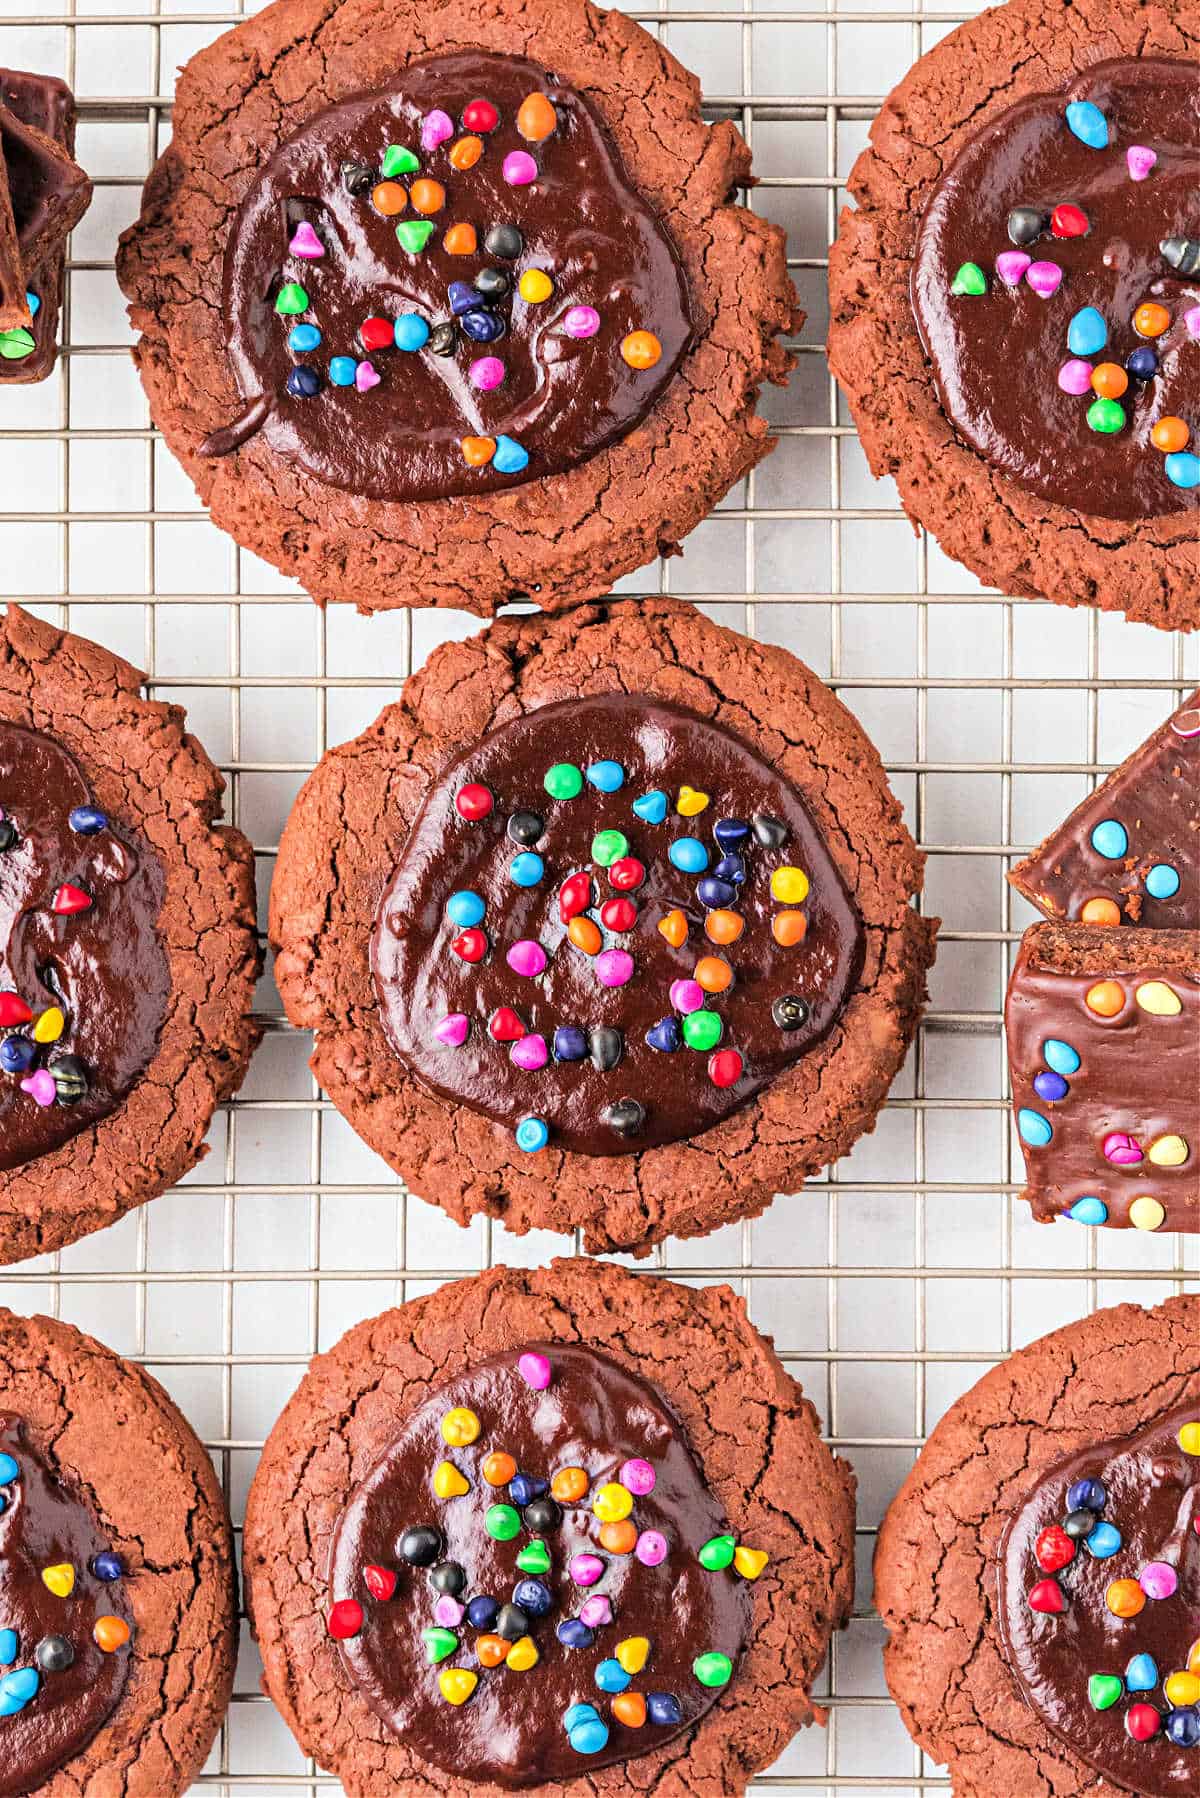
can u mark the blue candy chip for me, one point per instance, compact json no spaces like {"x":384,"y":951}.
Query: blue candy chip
{"x":526,"y":869}
{"x":462,"y":297}
{"x":1087,"y":332}
{"x":108,"y":1567}
{"x":86,"y":820}
{"x":665,"y":1035}
{"x":410,"y":331}
{"x":533,"y":1597}
{"x":651,"y":808}
{"x":689,"y":855}
{"x":1060,"y":1056}
{"x":715,"y":893}
{"x":1182,"y":469}
{"x":16,"y":1689}
{"x":16,"y":1054}
{"x":34,"y":303}
{"x":1087,"y":1495}
{"x":9,"y":1647}
{"x":1104,"y":1541}
{"x":509,"y":458}
{"x":482,"y":1612}
{"x":523,"y":1489}
{"x":1183,"y":1727}
{"x":730,"y":831}
{"x":1162,"y":882}
{"x":303,"y":383}
{"x":663,"y":1707}
{"x":9,"y":1470}
{"x":570,"y":1043}
{"x":466,"y":909}
{"x":342,"y":371}
{"x":606,"y":777}
{"x":1089,"y":1210}
{"x":1141,"y":1675}
{"x":1051,"y":1087}
{"x":303,"y":339}
{"x":1110,"y":839}
{"x":731,"y":867}
{"x":1088,"y":123}
{"x":532,"y":1134}
{"x":589,"y":1737}
{"x":574,"y":1634}
{"x":612,"y":1677}
{"x":482,"y":326}
{"x":578,"y":1713}
{"x":1142,"y":363}
{"x":1034,"y":1128}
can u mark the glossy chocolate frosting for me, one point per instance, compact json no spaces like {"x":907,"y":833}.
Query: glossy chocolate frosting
{"x":995,"y":357}
{"x":563,"y":397}
{"x":595,"y":1416}
{"x":1152,"y":1490}
{"x":45,"y":1524}
{"x":103,"y":967}
{"x":419,"y":979}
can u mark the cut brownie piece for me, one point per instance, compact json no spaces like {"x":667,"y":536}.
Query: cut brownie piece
{"x":1104,"y":1052}
{"x":14,"y":299}
{"x":28,"y":352}
{"x":1130,"y":853}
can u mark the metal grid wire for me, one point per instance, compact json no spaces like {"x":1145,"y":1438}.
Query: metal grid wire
{"x":894,"y":1282}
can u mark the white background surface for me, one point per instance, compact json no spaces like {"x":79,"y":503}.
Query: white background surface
{"x":890,"y":1288}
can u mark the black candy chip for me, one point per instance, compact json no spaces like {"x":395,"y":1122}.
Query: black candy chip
{"x":492,"y":283}
{"x":790,"y":1012}
{"x":771,"y":832}
{"x":8,"y":834}
{"x":358,"y":177}
{"x":54,"y":1654}
{"x":421,"y":1546}
{"x":70,"y":1078}
{"x":1025,"y":224}
{"x":605,"y":1046}
{"x":1080,"y":1524}
{"x":525,"y":828}
{"x":542,"y":1516}
{"x":511,"y":1622}
{"x":626,"y":1117}
{"x":448,"y":1577}
{"x":504,"y":240}
{"x":443,"y":339}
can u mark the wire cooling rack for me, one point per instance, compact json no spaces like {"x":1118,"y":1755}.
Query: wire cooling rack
{"x":891,"y":1285}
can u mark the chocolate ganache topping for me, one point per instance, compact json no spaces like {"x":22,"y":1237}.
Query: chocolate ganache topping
{"x":612,"y":924}
{"x":84,"y":980}
{"x":449,"y":287}
{"x":64,"y":1621}
{"x":1056,"y":286}
{"x":1099,"y":1605}
{"x":533,"y":1581}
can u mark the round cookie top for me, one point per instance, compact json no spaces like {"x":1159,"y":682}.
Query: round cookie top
{"x":534,"y":1581}
{"x":64,"y":1623}
{"x":1100,"y":1604}
{"x":1056,"y":286}
{"x":448,"y":287}
{"x":84,"y":981}
{"x":612,"y":924}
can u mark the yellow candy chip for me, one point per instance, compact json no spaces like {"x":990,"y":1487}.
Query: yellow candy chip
{"x":448,"y":1482}
{"x":1161,"y":1000}
{"x":1182,"y":1688}
{"x":460,"y":1427}
{"x":1146,"y":1213}
{"x":750,"y":1561}
{"x":633,"y":1653}
{"x":1168,"y":1151}
{"x":522,"y":1655}
{"x":60,"y":1580}
{"x":1189,"y":1442}
{"x":612,"y":1503}
{"x":535,"y":286}
{"x":457,"y":1684}
{"x":789,"y":886}
{"x":690,"y":802}
{"x":49,"y":1026}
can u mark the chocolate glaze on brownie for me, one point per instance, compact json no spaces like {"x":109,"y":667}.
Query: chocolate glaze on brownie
{"x":102,"y":966}
{"x":594,"y":1416}
{"x":44,"y":1525}
{"x":420,"y":979}
{"x":1151,"y":1488}
{"x":995,"y":357}
{"x":563,"y":397}
{"x":49,"y":106}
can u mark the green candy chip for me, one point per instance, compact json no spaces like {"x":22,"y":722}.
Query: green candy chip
{"x":414,"y":234}
{"x":291,"y":299}
{"x":1104,"y":1689}
{"x":608,"y":846}
{"x":702,"y":1030}
{"x":717,"y":1553}
{"x":563,"y":781}
{"x":534,"y":1558}
{"x":1106,"y":416}
{"x":969,"y":279}
{"x":439,"y":1643}
{"x":16,"y":344}
{"x":502,"y":1522}
{"x":713,"y":1669}
{"x":398,"y":161}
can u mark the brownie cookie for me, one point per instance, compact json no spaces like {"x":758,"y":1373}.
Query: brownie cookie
{"x":1015,"y":301}
{"x":1130,"y":852}
{"x":117,"y":1632}
{"x":1104,"y":1053}
{"x":505,"y":1537}
{"x":129,"y":952}
{"x":1039,"y":1571}
{"x":446,"y":315}
{"x":43,"y":195}
{"x":605,"y":924}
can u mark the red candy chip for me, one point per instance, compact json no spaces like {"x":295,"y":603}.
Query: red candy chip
{"x":470,"y":945}
{"x":1069,"y":221}
{"x":473,"y":802}
{"x":574,"y":896}
{"x":13,"y":1009}
{"x":725,"y":1067}
{"x":1047,"y":1596}
{"x":618,"y":914}
{"x":480,"y":115}
{"x":381,"y":1583}
{"x":627,"y":873}
{"x":506,"y":1026}
{"x":377,"y":334}
{"x":1053,"y":1548}
{"x":69,"y":899}
{"x":1142,"y":1721}
{"x":345,"y":1619}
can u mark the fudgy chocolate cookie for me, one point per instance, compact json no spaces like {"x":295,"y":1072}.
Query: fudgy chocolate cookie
{"x":606,"y":923}
{"x":117,"y":1613}
{"x":1039,"y":1571}
{"x":547,"y":1531}
{"x":1015,"y":301}
{"x":128,"y":952}
{"x":447,"y":312}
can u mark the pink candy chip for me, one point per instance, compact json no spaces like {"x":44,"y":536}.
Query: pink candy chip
{"x":651,"y":1549}
{"x":448,"y":1611}
{"x":366,"y":376}
{"x":534,"y":1369}
{"x":40,"y":1087}
{"x":585,"y":1570}
{"x":487,"y":373}
{"x":529,"y":1053}
{"x":1122,"y":1149}
{"x":527,"y":958}
{"x":687,"y":995}
{"x":637,"y":1476}
{"x":581,"y":321}
{"x":1075,"y":376}
{"x":306,"y":243}
{"x":1140,"y":161}
{"x":519,"y":168}
{"x":436,"y":127}
{"x":1158,"y":1580}
{"x":453,"y":1029}
{"x":614,"y":967}
{"x":597,"y":1611}
{"x":1191,"y":320}
{"x":1011,"y":265}
{"x":1045,"y":278}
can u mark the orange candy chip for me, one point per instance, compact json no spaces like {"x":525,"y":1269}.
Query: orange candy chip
{"x":675,"y":928}
{"x":466,"y":152}
{"x":492,"y":1650}
{"x":585,"y":934}
{"x":569,"y":1485}
{"x":1109,"y":380}
{"x":713,"y":974}
{"x":389,"y":198}
{"x":498,"y":1468}
{"x":1125,"y":1598}
{"x":724,"y":926}
{"x":641,"y":349}
{"x":629,"y":1708}
{"x":536,"y":118}
{"x":460,"y":240}
{"x":1100,"y":911}
{"x":110,"y":1633}
{"x":427,"y":195}
{"x":1150,"y":319}
{"x":477,"y":451}
{"x":788,"y":928}
{"x":1170,"y":435}
{"x":619,"y":1538}
{"x":1105,"y":998}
